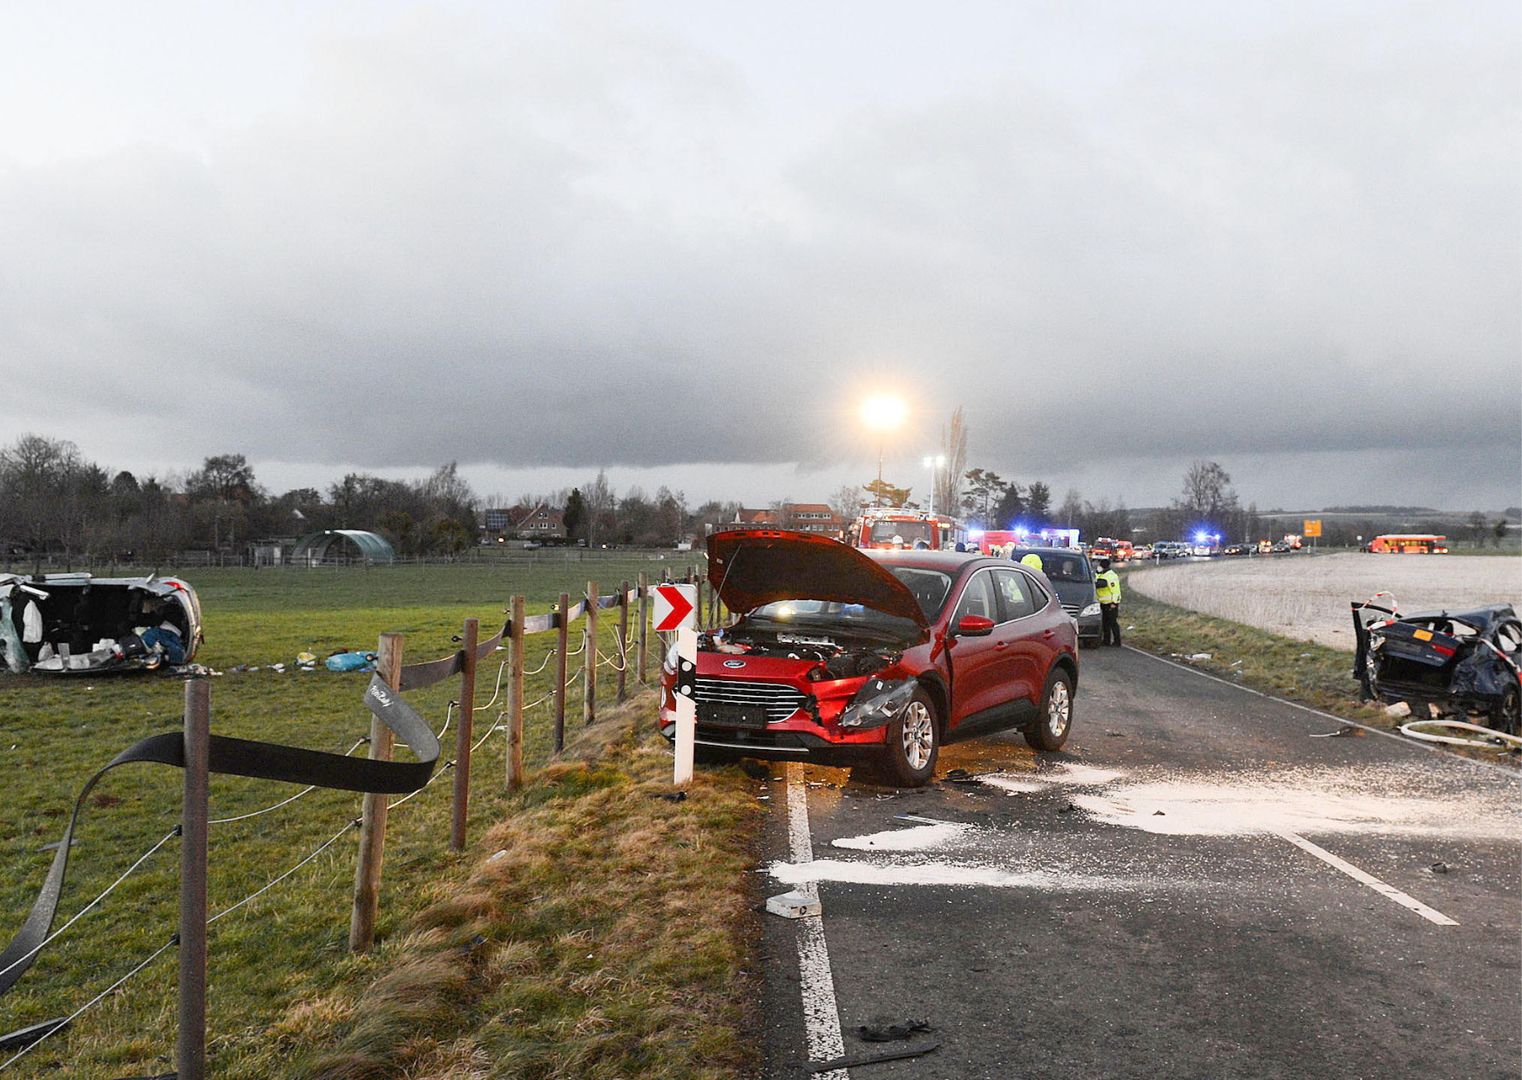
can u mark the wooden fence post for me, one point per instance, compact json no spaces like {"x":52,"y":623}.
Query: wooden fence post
{"x":623,"y":638}
{"x":589,"y":661}
{"x":372,"y":825}
{"x":190,"y":1055}
{"x":464,"y":732}
{"x":644,"y":625}
{"x":562,"y":625}
{"x":515,"y":705}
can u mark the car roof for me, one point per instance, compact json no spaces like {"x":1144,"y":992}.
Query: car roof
{"x":1050,"y":551}
{"x":948,"y":561}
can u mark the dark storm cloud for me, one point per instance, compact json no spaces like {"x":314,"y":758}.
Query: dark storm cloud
{"x":547,"y":249}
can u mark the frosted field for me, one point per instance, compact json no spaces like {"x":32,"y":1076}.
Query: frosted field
{"x":1306,"y":597}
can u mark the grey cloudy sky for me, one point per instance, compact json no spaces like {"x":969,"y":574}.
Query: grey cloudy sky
{"x":683,"y":240}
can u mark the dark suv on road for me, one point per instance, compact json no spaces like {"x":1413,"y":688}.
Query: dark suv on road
{"x":847,"y":657}
{"x":1072,"y":575}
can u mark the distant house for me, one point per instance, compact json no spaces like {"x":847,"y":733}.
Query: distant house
{"x":756,"y":517}
{"x":542,"y":523}
{"x":802,"y":517}
{"x":813,"y":518}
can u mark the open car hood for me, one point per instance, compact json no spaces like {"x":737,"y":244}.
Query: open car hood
{"x":751,"y":567}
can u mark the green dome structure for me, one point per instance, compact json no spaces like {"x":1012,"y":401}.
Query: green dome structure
{"x":343,"y":545}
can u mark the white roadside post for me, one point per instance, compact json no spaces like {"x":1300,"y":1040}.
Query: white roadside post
{"x":686,"y":706}
{"x":674,"y":608}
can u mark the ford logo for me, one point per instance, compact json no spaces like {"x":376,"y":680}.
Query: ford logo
{"x":734,"y":663}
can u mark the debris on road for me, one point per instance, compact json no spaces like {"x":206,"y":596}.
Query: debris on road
{"x":794,"y":905}
{"x":1439,"y":868}
{"x":893,"y":1032}
{"x":1346,"y":731}
{"x":851,"y":1061}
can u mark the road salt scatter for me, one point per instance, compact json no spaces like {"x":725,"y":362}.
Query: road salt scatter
{"x":1065,"y":773}
{"x":1319,"y":802}
{"x":918,"y":838}
{"x":938,"y":873}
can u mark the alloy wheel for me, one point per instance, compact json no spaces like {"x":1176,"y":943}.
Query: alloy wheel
{"x":1059,"y":709}
{"x":918,"y":735}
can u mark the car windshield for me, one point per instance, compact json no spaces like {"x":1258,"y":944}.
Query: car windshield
{"x":929,"y":587}
{"x":1064,"y":567}
{"x":883,"y":532}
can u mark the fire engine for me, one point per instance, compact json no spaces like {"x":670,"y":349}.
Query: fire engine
{"x":896,"y":526}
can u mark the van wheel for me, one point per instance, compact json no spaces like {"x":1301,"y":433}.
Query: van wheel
{"x":1050,"y":728}
{"x":914,"y":742}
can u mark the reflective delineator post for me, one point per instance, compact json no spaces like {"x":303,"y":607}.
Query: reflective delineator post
{"x":686,"y":704}
{"x":190,"y":1052}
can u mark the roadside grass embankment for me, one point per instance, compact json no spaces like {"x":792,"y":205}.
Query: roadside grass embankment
{"x":601,"y":930}
{"x":1299,"y":671}
{"x":288,"y":946}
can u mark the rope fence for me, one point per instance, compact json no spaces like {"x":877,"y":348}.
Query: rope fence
{"x":198,"y":754}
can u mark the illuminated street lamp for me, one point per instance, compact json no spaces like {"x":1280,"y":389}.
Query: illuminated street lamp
{"x":934,"y":463}
{"x":882,"y":413}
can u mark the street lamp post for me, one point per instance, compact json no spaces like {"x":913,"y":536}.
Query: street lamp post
{"x":882,"y":414}
{"x":933,"y":464}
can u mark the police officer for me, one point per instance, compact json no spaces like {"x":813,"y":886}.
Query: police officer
{"x":1032,"y":560}
{"x":1107,"y":587}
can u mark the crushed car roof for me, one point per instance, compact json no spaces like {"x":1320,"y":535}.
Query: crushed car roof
{"x":1480,"y":618}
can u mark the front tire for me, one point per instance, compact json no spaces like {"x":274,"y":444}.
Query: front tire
{"x":1506,"y":715}
{"x":914,"y":743}
{"x":1050,"y":729}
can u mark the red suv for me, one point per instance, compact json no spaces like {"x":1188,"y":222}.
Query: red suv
{"x":849,"y":657}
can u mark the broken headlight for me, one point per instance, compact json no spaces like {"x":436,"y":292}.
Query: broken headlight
{"x":1092,"y":609}
{"x":877,"y":703}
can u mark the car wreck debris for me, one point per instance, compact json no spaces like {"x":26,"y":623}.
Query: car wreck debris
{"x":76,"y":624}
{"x":1458,"y":665}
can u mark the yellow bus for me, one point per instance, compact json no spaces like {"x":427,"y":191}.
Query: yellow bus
{"x":1409,"y":544}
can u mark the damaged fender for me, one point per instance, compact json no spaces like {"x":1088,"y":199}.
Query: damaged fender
{"x":878,"y":703}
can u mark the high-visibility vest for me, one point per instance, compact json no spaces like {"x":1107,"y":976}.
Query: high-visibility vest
{"x":1107,"y":586}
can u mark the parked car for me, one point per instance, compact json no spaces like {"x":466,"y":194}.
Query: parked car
{"x":853,"y":657}
{"x":1463,"y":662}
{"x":76,"y":624}
{"x":1072,"y":577}
{"x":1238,"y":549}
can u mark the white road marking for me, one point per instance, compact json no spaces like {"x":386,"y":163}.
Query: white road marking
{"x":1414,"y":744}
{"x":821,"y":1019}
{"x":1430,"y":914}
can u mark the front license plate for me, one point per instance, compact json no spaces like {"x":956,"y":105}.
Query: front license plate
{"x":732,"y":715}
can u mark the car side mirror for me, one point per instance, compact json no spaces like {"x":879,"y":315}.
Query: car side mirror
{"x":974,"y":626}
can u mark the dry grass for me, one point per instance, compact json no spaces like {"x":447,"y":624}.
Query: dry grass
{"x":602,"y":932}
{"x":1307,"y":597}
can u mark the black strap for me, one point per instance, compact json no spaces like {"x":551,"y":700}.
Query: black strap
{"x":242,"y":757}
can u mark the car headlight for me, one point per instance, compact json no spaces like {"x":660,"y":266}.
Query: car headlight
{"x":1092,"y":609}
{"x":877,"y":703}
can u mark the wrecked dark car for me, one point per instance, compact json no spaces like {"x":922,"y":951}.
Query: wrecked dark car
{"x":1458,"y":663}
{"x":77,"y":624}
{"x":849,"y":657}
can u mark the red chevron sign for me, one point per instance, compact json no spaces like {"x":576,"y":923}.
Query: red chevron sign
{"x":674,"y":606}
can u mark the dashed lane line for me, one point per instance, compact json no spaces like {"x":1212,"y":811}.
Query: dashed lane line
{"x":1432,"y":915}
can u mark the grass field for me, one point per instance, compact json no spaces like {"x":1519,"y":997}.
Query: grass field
{"x":1305,"y":597}
{"x":288,"y":946}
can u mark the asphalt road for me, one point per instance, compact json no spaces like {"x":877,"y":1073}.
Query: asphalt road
{"x":1197,"y":887}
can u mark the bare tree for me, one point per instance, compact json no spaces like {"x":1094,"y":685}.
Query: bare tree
{"x":1207,"y":494}
{"x":954,"y":449}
